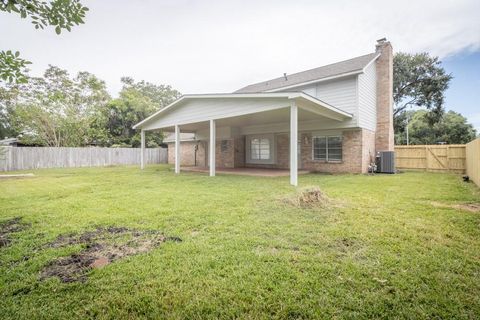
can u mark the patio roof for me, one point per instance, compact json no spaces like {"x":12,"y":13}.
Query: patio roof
{"x":248,"y":103}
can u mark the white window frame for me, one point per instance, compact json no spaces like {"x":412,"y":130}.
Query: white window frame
{"x":326,"y":148}
{"x":271,"y":140}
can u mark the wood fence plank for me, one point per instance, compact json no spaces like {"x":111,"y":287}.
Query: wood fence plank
{"x":472,"y":153}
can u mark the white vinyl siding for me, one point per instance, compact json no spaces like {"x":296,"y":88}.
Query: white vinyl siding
{"x":367,"y":98}
{"x":340,"y":93}
{"x":311,"y":91}
{"x":327,"y":148}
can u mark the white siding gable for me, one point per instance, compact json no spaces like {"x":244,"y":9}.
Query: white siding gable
{"x":340,"y":93}
{"x":367,"y":98}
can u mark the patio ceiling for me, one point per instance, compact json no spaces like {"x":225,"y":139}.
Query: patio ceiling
{"x":255,"y":119}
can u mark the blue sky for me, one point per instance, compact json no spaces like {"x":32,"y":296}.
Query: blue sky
{"x":220,"y":46}
{"x":464,"y":92}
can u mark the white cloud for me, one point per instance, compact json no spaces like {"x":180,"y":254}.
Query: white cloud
{"x":222,"y":45}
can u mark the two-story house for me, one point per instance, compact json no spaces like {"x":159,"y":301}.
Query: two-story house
{"x":329,"y":119}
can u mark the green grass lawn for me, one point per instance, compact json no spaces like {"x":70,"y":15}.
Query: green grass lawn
{"x":386,"y":246}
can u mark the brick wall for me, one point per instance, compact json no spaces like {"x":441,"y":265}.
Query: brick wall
{"x":239,"y":147}
{"x":225,"y":158}
{"x":187,"y":153}
{"x":351,"y":158}
{"x":282,"y":154}
{"x":357,"y":147}
{"x":224,"y":153}
{"x":202,"y":157}
{"x":358,"y":150}
{"x":384,"y":133}
{"x":283,"y":150}
{"x":368,"y":143}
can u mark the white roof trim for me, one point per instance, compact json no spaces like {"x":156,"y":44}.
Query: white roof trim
{"x":342,"y":75}
{"x":288,"y":95}
{"x":368,"y":64}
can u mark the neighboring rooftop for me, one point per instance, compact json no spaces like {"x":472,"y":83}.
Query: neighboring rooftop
{"x":335,"y":69}
{"x":9,"y":142}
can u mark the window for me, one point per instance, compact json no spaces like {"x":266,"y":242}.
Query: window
{"x":260,"y":149}
{"x":327,"y":148}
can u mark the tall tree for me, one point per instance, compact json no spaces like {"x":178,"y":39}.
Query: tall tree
{"x":60,"y":14}
{"x":420,"y":81}
{"x":452,"y":128}
{"x":159,"y":95}
{"x":56,"y":110}
{"x":8,"y":99}
{"x":136,"y":101}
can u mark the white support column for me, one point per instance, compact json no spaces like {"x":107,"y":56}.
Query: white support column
{"x":212,"y":148}
{"x":177,"y":149}
{"x":142,"y":149}
{"x":293,"y":144}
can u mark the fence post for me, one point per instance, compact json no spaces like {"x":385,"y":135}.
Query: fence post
{"x":427,"y":157}
{"x":9,"y":160}
{"x":448,"y":158}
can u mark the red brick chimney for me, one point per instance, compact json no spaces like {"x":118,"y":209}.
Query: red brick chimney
{"x":384,"y":137}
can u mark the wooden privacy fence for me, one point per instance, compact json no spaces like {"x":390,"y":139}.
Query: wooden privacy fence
{"x":24,"y":158}
{"x":439,"y":158}
{"x":473,"y":160}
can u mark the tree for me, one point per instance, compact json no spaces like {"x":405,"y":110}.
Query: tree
{"x":8,"y":99}
{"x":61,"y":14}
{"x":452,"y":128}
{"x":137,"y":100}
{"x":159,"y":95}
{"x":55,"y":110}
{"x":420,"y":81}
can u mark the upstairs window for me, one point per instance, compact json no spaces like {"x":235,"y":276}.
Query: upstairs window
{"x":327,"y":148}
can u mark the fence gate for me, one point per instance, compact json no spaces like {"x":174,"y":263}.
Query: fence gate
{"x":436,"y":158}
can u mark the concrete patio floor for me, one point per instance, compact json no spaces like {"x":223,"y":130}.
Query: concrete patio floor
{"x":255,"y":172}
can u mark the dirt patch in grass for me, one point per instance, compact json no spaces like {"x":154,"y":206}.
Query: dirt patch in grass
{"x":101,"y":247}
{"x":348,"y":247}
{"x":8,"y":227}
{"x":471,"y":207}
{"x":310,"y":197}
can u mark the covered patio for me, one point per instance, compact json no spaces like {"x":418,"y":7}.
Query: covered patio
{"x":214,"y":116}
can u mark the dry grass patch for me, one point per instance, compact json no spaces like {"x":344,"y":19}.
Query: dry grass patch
{"x":471,"y":207}
{"x":310,"y":197}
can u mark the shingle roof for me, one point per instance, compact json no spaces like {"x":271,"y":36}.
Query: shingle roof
{"x":338,"y":68}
